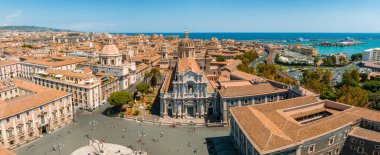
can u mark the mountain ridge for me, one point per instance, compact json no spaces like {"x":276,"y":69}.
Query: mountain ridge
{"x":32,"y":29}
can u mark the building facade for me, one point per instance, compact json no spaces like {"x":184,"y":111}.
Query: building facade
{"x":305,"y":125}
{"x":86,"y":89}
{"x":32,"y":111}
{"x":372,"y":54}
{"x":111,"y":62}
{"x":186,"y":91}
{"x":9,"y":69}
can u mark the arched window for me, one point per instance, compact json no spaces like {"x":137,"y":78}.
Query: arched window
{"x":190,"y":88}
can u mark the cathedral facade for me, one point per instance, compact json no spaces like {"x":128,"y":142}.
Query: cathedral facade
{"x":186,"y":91}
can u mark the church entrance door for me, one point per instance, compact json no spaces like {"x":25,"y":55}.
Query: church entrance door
{"x":190,"y":111}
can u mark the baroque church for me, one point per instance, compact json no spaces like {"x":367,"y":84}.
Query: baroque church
{"x":186,"y":91}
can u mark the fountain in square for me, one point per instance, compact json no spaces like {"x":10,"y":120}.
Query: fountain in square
{"x":96,"y":147}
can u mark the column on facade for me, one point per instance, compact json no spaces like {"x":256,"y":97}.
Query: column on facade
{"x":5,"y":136}
{"x":35,"y":129}
{"x":266,"y":99}
{"x":165,"y":108}
{"x":299,"y":150}
{"x":198,"y":107}
{"x":183,"y":109}
{"x":162,"y":107}
{"x":15,"y":132}
{"x":202,"y":108}
{"x":205,"y":106}
{"x":278,"y":97}
{"x":24,"y":127}
{"x":224,"y":111}
{"x":174,"y":111}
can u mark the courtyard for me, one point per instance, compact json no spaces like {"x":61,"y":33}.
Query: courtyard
{"x":175,"y":140}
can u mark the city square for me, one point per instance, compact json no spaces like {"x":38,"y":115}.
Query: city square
{"x":175,"y":140}
{"x":169,"y":77}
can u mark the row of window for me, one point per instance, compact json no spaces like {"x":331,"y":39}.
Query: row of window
{"x":331,"y":141}
{"x":354,"y":141}
{"x":257,"y":100}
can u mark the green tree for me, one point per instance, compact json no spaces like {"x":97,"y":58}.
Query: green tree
{"x":316,"y":60}
{"x":153,"y":81}
{"x":119,"y":98}
{"x":354,"y":96}
{"x":142,"y":87}
{"x":355,"y":75}
{"x":267,"y":70}
{"x":326,"y":78}
{"x":374,"y":100}
{"x":277,"y":58}
{"x":154,"y":76}
{"x":371,"y":85}
{"x":328,"y":94}
{"x":220,"y":58}
{"x":349,"y":79}
{"x":136,"y":113}
{"x":356,"y":57}
{"x":316,"y":80}
{"x":333,"y":60}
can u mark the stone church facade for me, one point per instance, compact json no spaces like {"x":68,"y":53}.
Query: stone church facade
{"x":186,"y":92}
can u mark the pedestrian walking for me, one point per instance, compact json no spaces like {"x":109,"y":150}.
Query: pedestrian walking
{"x":162,"y":134}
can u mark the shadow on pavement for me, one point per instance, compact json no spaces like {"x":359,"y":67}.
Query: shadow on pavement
{"x":220,"y":146}
{"x":156,"y":106}
{"x":111,"y":112}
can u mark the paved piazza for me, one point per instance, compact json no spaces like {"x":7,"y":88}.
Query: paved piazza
{"x":175,"y":140}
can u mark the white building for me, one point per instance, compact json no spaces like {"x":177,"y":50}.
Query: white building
{"x":111,"y":62}
{"x":9,"y":69}
{"x":86,"y":88}
{"x":372,"y":54}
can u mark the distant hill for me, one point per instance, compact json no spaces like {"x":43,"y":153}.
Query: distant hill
{"x":31,"y":29}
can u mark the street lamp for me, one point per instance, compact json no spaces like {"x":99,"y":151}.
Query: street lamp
{"x":58,"y":146}
{"x":93,"y":123}
{"x":142,"y":134}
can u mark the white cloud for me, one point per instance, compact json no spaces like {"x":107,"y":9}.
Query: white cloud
{"x":11,"y":17}
{"x":92,"y":26}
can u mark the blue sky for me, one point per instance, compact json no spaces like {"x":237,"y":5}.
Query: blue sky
{"x":197,"y":15}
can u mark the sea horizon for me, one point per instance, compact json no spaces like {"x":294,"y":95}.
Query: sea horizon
{"x":241,"y":36}
{"x":371,"y":40}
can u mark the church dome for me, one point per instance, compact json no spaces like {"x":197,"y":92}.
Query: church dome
{"x":186,"y":42}
{"x":110,"y":50}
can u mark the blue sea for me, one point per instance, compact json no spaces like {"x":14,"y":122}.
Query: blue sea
{"x":371,"y":40}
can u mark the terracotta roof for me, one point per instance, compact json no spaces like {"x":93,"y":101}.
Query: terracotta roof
{"x":365,"y":134}
{"x":249,"y":90}
{"x":270,"y":126}
{"x":245,"y":76}
{"x":4,"y":151}
{"x":87,"y":70}
{"x":8,"y":62}
{"x":141,"y":67}
{"x":70,"y":73}
{"x":41,"y":95}
{"x":232,"y":65}
{"x":54,"y":61}
{"x":187,"y":64}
